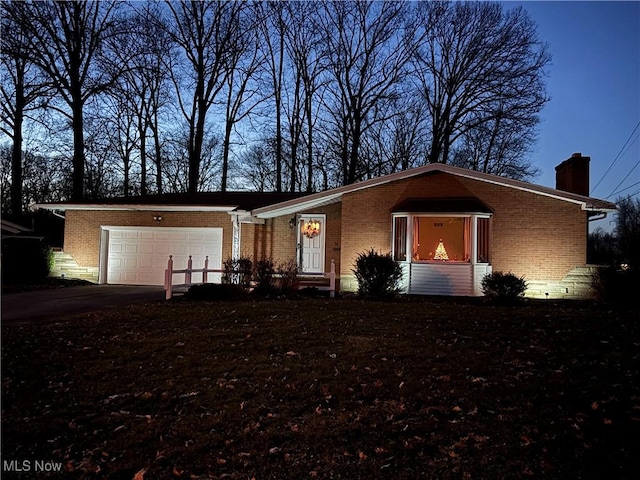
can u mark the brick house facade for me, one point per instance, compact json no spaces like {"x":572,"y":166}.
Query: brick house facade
{"x":533,"y":231}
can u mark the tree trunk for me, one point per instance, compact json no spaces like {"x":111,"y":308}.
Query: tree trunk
{"x":16,"y":154}
{"x":225,"y":153}
{"x":309,"y":144}
{"x":143,"y":156}
{"x":79,"y":158}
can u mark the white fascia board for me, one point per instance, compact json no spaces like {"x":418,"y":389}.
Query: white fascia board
{"x":137,"y":207}
{"x":246,"y":217}
{"x":293,"y":207}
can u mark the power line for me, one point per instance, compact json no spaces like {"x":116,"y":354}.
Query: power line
{"x":617,"y":156}
{"x":625,"y":177}
{"x":625,"y":188}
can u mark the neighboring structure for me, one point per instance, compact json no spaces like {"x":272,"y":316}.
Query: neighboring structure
{"x":447,"y":226}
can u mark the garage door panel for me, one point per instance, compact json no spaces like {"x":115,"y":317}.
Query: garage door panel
{"x":146,"y":248}
{"x":115,"y":262}
{"x":131,"y":248}
{"x":139,"y":255}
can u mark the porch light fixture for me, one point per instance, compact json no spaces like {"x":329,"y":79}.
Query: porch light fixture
{"x":311,"y":228}
{"x":157,"y":218}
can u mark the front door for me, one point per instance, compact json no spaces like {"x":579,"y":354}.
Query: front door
{"x":311,"y":241}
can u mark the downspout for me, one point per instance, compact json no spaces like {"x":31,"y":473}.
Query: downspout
{"x":599,"y":216}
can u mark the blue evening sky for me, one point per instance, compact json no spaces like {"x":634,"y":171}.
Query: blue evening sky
{"x":594,"y":85}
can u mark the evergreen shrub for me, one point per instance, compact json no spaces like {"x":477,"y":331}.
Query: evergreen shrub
{"x":378,"y":274}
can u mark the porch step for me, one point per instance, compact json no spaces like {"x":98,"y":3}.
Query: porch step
{"x":320,"y":282}
{"x":64,"y":266}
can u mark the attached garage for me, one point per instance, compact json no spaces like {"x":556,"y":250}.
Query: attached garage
{"x":138,"y":255}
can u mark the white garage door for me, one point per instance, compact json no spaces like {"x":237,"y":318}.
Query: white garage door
{"x":138,"y":256}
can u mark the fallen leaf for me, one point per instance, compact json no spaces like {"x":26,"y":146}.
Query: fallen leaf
{"x":140,"y":474}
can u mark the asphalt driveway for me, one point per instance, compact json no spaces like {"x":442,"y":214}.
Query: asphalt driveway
{"x":26,"y":307}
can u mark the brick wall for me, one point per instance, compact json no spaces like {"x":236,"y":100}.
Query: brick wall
{"x":539,"y":237}
{"x":277,"y":240}
{"x":82,"y":228}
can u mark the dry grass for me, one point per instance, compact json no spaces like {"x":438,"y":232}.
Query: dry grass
{"x":318,"y":388}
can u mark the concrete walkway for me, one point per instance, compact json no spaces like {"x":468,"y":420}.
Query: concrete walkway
{"x":42,"y":305}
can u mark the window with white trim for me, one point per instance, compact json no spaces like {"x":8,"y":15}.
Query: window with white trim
{"x":441,"y":238}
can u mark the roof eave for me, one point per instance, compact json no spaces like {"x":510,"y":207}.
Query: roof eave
{"x":137,"y":207}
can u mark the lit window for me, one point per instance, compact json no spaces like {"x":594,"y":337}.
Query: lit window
{"x":429,"y":238}
{"x":442,"y":238}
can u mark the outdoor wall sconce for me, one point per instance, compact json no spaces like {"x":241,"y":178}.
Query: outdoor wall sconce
{"x":157,"y":218}
{"x":311,"y":228}
{"x":292,"y":222}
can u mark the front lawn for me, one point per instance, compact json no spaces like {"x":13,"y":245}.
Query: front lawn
{"x":327,"y":389}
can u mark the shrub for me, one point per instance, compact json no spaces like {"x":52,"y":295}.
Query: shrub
{"x":237,"y":272}
{"x":504,"y":287}
{"x":25,"y":260}
{"x":213,"y":292}
{"x":378,"y":274}
{"x":617,"y":287}
{"x":288,"y":272}
{"x":263,"y":276}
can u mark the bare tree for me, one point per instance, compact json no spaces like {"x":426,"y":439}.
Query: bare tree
{"x":303,"y":40}
{"x":498,"y":146}
{"x":273,"y":26}
{"x":367,"y":58}
{"x":24,"y":90}
{"x":242,"y":92}
{"x":65,"y":41}
{"x":628,"y":230}
{"x":150,"y":51}
{"x":206,"y":32}
{"x":477,"y":64}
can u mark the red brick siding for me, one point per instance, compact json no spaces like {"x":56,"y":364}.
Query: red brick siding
{"x":539,"y":237}
{"x":82,"y":228}
{"x":277,"y":240}
{"x":536,"y":236}
{"x":532,"y":235}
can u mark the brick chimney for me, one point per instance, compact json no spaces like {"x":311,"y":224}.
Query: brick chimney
{"x":572,"y":175}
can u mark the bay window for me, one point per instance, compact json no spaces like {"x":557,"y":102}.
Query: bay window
{"x":446,"y":238}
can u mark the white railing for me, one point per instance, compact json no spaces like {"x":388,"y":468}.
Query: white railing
{"x":189,"y":271}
